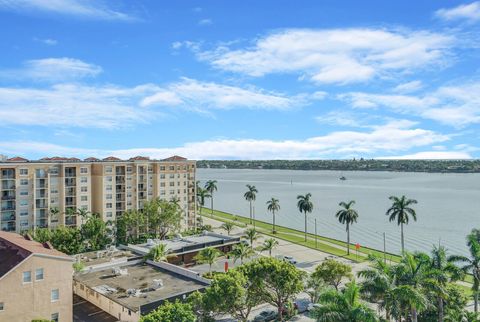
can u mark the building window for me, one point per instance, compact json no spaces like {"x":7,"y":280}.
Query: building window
{"x":171,"y":168}
{"x":162,"y":176}
{"x":129,"y":169}
{"x":109,"y":196}
{"x":23,"y":202}
{"x":24,"y":193}
{"x":83,"y":179}
{"x":108,"y":169}
{"x":24,"y":223}
{"x":109,"y":214}
{"x":55,"y":295}
{"x":84,"y":207}
{"x":172,"y":184}
{"x":1,"y":306}
{"x":109,"y":188}
{"x":23,"y":182}
{"x":162,"y":168}
{"x":172,"y":176}
{"x":83,"y":170}
{"x":109,"y":179}
{"x":54,"y":317}
{"x":84,"y":189}
{"x":27,"y":277}
{"x":109,"y":205}
{"x":84,"y":198}
{"x":24,"y":172}
{"x":24,"y":213}
{"x":39,"y":274}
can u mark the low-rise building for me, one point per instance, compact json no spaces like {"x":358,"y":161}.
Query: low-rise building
{"x":128,"y":289}
{"x":186,"y":248}
{"x":35,"y":280}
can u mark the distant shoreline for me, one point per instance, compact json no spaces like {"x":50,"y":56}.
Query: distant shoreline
{"x":423,"y":166}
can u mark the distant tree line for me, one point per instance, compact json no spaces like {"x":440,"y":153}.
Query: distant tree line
{"x":441,"y":166}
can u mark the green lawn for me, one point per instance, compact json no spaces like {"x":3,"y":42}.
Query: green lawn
{"x":296,"y":236}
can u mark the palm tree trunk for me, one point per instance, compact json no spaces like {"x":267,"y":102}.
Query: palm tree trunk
{"x":414,"y":315}
{"x":348,"y":239}
{"x":475,"y":300}
{"x":440,"y":309}
{"x":273,"y":231}
{"x":403,"y":242}
{"x":305,"y":226}
{"x":211,"y":204}
{"x":250,"y":212}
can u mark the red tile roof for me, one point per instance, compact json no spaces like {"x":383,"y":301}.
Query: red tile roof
{"x":91,"y":159}
{"x":139,"y":158}
{"x":111,"y":159}
{"x":175,"y":158}
{"x":17,"y":159}
{"x":15,"y":248}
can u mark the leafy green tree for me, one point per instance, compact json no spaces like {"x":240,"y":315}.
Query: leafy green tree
{"x":401,"y":211}
{"x":168,"y":312}
{"x":228,"y":227}
{"x":404,"y":299}
{"x":158,"y":253}
{"x":471,"y":264}
{"x":231,"y":293}
{"x":250,"y":196}
{"x":305,"y":205}
{"x":251,"y":235}
{"x":165,"y":218}
{"x":95,"y":233}
{"x":275,"y":282}
{"x":241,"y":251}
{"x":347,"y":216}
{"x":273,"y":205}
{"x":332,"y":272}
{"x":211,"y":187}
{"x":209,"y":256}
{"x":344,"y":306}
{"x":268,"y":245}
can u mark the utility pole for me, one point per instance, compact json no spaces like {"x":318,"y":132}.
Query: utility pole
{"x":315,"y":233}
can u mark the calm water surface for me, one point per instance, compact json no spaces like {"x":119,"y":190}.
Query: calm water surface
{"x":448,"y":204}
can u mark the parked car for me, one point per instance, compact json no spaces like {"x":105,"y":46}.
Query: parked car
{"x":267,"y":315}
{"x":301,"y":305}
{"x":289,"y":259}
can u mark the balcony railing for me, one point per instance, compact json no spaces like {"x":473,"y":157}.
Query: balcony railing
{"x":8,"y":218}
{"x":8,"y":227}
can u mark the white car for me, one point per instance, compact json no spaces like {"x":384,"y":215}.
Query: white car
{"x":289,"y":259}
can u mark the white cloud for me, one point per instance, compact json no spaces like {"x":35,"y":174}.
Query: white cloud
{"x":389,"y":138}
{"x":202,"y":96}
{"x":74,"y":105}
{"x":47,"y":41}
{"x":108,"y":106}
{"x":53,"y":69}
{"x":346,"y":118}
{"x":205,"y":22}
{"x":334,"y":55}
{"x":80,"y":8}
{"x":431,"y":155}
{"x":469,"y":12}
{"x":408,"y":87}
{"x":456,"y":105}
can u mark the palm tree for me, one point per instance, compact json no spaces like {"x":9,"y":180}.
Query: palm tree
{"x":241,"y":251}
{"x":250,"y":196}
{"x":441,"y":271}
{"x":347,"y":216}
{"x":344,"y":306}
{"x":211,"y":187}
{"x":305,"y":205}
{"x":53,"y":213}
{"x":401,"y":211}
{"x":208,"y":255}
{"x":471,"y":264}
{"x":405,"y":298}
{"x":251,"y":235}
{"x":268,"y":245}
{"x":158,"y":253}
{"x":83,"y":214}
{"x":272,"y":206}
{"x":201,"y":195}
{"x":227,"y":226}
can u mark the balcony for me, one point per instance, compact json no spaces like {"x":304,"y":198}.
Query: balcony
{"x":70,"y":192}
{"x":8,"y":217}
{"x":41,"y":203}
{"x":70,"y":172}
{"x":70,"y":182}
{"x":8,"y":207}
{"x":8,"y":185}
{"x":120,"y":180}
{"x":8,"y":226}
{"x":7,"y":195}
{"x":8,"y":174}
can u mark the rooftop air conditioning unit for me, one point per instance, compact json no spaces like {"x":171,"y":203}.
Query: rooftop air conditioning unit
{"x":157,"y":283}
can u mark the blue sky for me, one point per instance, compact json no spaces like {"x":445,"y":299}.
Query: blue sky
{"x":240,"y":80}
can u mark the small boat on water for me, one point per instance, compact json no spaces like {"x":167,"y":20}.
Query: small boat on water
{"x":343,"y":178}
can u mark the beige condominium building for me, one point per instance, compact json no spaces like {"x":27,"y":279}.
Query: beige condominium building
{"x":35,"y":281}
{"x":31,"y":189}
